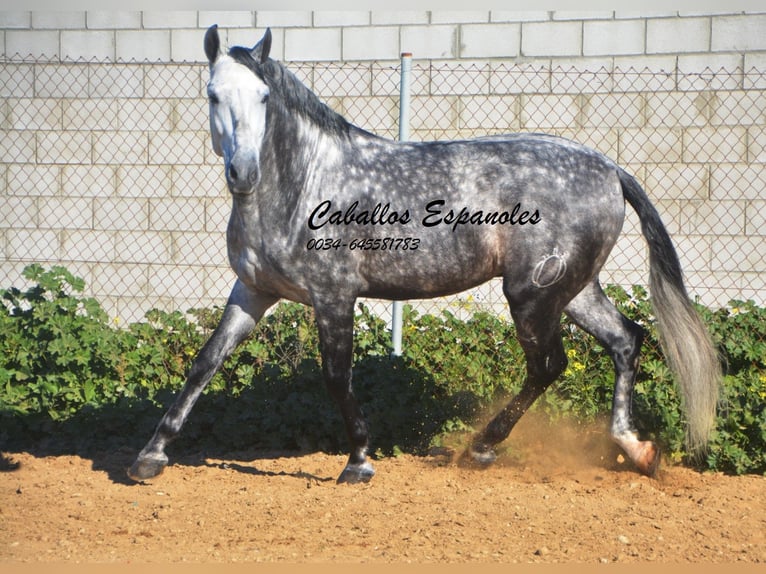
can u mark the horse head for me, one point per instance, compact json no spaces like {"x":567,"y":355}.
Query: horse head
{"x":237,"y":100}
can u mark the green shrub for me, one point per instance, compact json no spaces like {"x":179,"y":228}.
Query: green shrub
{"x":66,"y":369}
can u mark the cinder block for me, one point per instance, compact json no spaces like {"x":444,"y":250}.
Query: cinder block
{"x":614,"y":38}
{"x":219,"y":282}
{"x":459,"y":16}
{"x":199,"y":181}
{"x":17,"y":81}
{"x":32,"y":44}
{"x":629,"y":254}
{"x":88,"y":181}
{"x":145,"y":114}
{"x":678,"y":181}
{"x":175,"y":81}
{"x":389,"y":18}
{"x":709,"y":72}
{"x":90,"y":114}
{"x":116,"y":81}
{"x":490,"y":40}
{"x":677,"y":35}
{"x":312,"y":44}
{"x":58,"y":19}
{"x":621,"y":110}
{"x":438,"y":113}
{"x":715,"y":145}
{"x":677,"y":109}
{"x":120,"y":147}
{"x":33,"y":114}
{"x":519,"y":16}
{"x":544,"y":112}
{"x":644,"y":73}
{"x":112,"y":278}
{"x":519,"y":78}
{"x":177,"y":148}
{"x":112,"y":20}
{"x":200,"y":248}
{"x":187,"y":45}
{"x":582,"y":15}
{"x":177,"y":214}
{"x":176,"y":281}
{"x":142,"y":247}
{"x":756,"y":145}
{"x":60,"y":81}
{"x":755,"y":218}
{"x":551,"y":39}
{"x":489,"y":113}
{"x":38,"y":245}
{"x":661,"y":145}
{"x":117,"y":214}
{"x":66,"y":213}
{"x":143,"y":45}
{"x":166,"y":19}
{"x":755,"y":78}
{"x":460,"y":78}
{"x":695,"y":253}
{"x":430,"y":42}
{"x":379,"y":114}
{"x":227,"y":19}
{"x":738,"y":33}
{"x":371,"y":43}
{"x":713,"y":217}
{"x":283,"y":18}
{"x":217,"y":213}
{"x":15,"y":19}
{"x":742,"y":254}
{"x":19,"y":145}
{"x":144,"y":181}
{"x":343,"y":18}
{"x":744,"y":108}
{"x":581,"y":75}
{"x":87,"y":245}
{"x":18,"y":212}
{"x":737,"y":181}
{"x":63,"y":147}
{"x":88,"y":46}
{"x":341,"y":81}
{"x":28,"y":179}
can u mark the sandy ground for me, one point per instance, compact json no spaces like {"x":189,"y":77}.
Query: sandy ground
{"x":546,"y":502}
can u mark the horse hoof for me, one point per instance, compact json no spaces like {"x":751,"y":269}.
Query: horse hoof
{"x":356,"y":473}
{"x":146,"y":468}
{"x":481,"y":458}
{"x":648,"y":458}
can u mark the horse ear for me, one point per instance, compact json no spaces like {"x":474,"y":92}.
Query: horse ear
{"x":212,"y":44}
{"x":260,"y":51}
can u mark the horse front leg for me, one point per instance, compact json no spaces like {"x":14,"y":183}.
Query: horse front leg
{"x":335,"y":324}
{"x":243,"y":310}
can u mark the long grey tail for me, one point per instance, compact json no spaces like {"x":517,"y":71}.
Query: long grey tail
{"x":684,"y":338}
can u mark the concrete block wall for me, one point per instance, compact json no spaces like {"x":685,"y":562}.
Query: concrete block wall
{"x":106,"y":164}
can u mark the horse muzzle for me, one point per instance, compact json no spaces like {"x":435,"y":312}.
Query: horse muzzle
{"x":242,"y":176}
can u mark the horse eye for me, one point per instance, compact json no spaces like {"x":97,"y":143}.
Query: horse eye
{"x":265,"y":99}
{"x":213,"y":99}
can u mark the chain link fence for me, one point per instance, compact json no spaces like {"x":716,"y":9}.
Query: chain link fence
{"x":107,"y":168}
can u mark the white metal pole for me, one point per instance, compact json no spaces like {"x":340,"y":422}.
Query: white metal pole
{"x":404,"y":135}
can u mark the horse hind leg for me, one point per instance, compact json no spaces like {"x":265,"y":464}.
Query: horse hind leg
{"x":592,"y":311}
{"x":538,"y":328}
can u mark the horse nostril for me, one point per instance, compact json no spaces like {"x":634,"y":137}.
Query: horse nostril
{"x":233,"y":175}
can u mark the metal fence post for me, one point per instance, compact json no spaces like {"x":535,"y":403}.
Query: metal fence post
{"x":404,"y":135}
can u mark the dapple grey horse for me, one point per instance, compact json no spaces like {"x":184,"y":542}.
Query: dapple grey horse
{"x":324,"y":212}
